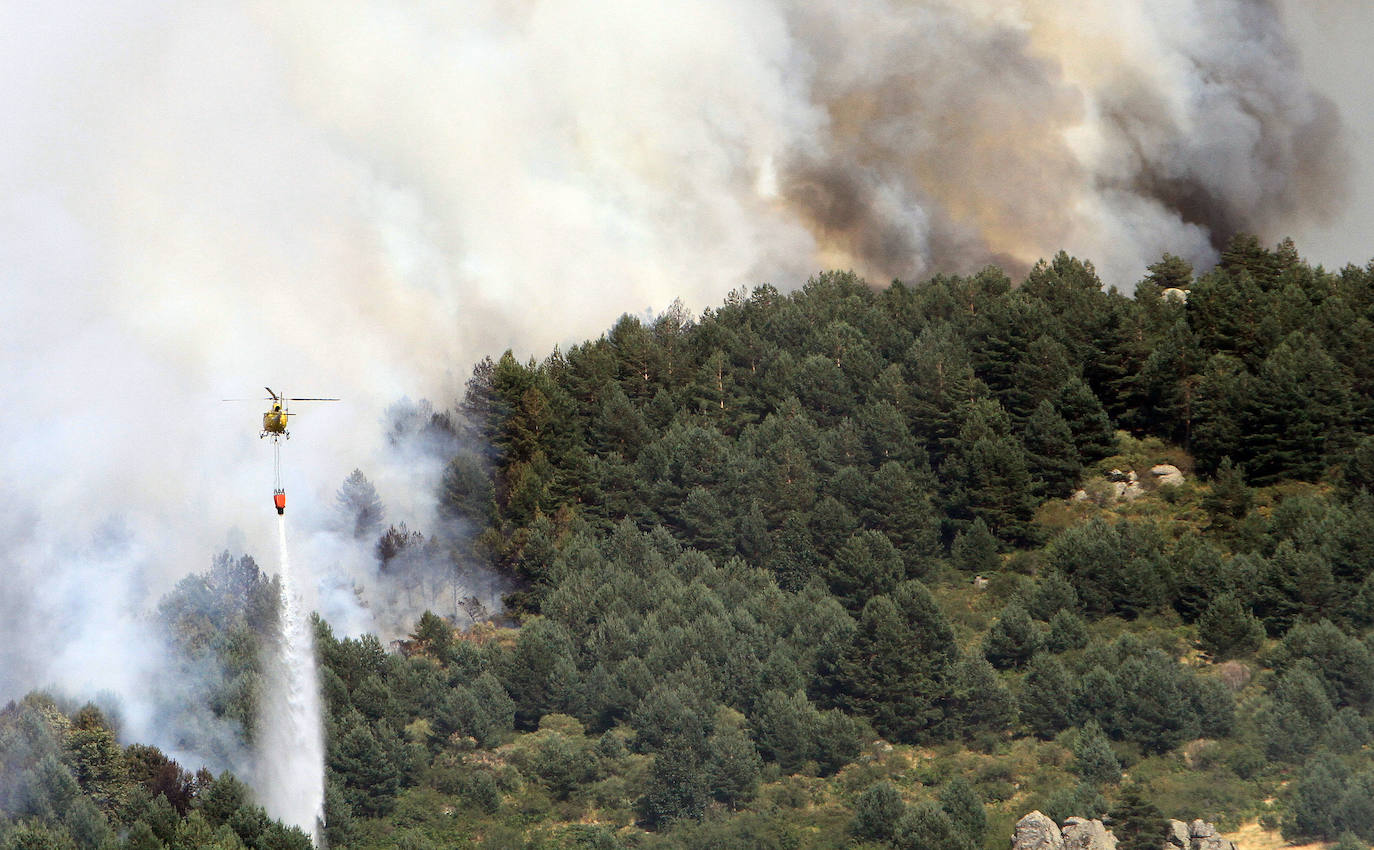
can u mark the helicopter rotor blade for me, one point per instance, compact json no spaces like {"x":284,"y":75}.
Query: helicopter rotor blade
{"x":312,"y":399}
{"x":272,"y":394}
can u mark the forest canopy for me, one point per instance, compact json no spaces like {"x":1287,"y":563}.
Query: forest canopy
{"x":851,"y":564}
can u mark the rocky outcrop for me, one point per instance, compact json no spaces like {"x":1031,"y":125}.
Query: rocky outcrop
{"x":1125,"y":485}
{"x":1036,"y":831}
{"x":1205,"y":837}
{"x":1083,"y":834}
{"x":1166,"y":473}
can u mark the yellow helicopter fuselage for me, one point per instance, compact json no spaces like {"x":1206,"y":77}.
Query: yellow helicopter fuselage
{"x":274,"y":421}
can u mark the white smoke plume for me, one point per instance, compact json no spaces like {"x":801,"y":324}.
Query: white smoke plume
{"x":360,"y":199}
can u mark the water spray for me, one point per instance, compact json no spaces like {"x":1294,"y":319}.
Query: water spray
{"x":290,"y":725}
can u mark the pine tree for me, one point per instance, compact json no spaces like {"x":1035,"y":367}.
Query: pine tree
{"x":1137,"y":823}
{"x":979,"y":704}
{"x":975,"y":549}
{"x":360,"y":509}
{"x":678,"y":787}
{"x":1301,"y":415}
{"x":1012,"y":639}
{"x":867,"y":565}
{"x":1316,"y":800}
{"x":1357,"y":473}
{"x":1087,"y":420}
{"x":895,"y":670}
{"x":733,"y":765}
{"x":1170,"y":272}
{"x":1051,"y":454}
{"x":1067,"y":632}
{"x":1094,"y":760}
{"x":965,"y":809}
{"x":1293,"y":721}
{"x":877,"y":812}
{"x":926,"y":826}
{"x":1041,"y":703}
{"x":1052,"y":594}
{"x":1227,"y":628}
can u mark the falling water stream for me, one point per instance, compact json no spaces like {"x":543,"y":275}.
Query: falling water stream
{"x":290,"y":731}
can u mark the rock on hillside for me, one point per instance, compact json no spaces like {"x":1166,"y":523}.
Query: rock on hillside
{"x":1036,"y":831}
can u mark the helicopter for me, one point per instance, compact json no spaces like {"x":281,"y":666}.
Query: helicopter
{"x":274,"y":420}
{"x":274,"y":426}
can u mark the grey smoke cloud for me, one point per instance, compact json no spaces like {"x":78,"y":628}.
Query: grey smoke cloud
{"x":362,"y":198}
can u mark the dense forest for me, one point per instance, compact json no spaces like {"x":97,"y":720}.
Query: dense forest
{"x":845,"y":567}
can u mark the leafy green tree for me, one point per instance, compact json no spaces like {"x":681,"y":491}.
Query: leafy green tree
{"x":1357,"y":472}
{"x":1355,"y":811}
{"x":794,"y":560}
{"x":1156,"y":709}
{"x":1170,"y":272}
{"x":86,"y":824}
{"x":1346,"y":732}
{"x":1215,"y":706}
{"x":618,"y":426}
{"x":671,"y":712}
{"x":1227,"y":307}
{"x":1081,"y":800}
{"x":1117,"y":569}
{"x":1294,"y":585}
{"x":783,"y":727}
{"x":905,"y":513}
{"x":1164,"y":390}
{"x":1200,"y":574}
{"x":1344,"y":664}
{"x":367,"y":765}
{"x":941,"y":379}
{"x":1349,"y":841}
{"x":45,"y":790}
{"x":139,"y":837}
{"x":561,"y":765}
{"x":988,"y":479}
{"x":1303,"y":410}
{"x":832,"y":525}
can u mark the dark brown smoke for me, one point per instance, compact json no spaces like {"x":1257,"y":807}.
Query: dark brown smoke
{"x":949,"y":144}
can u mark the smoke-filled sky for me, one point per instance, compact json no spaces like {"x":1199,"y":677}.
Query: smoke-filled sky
{"x":361,"y":199}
